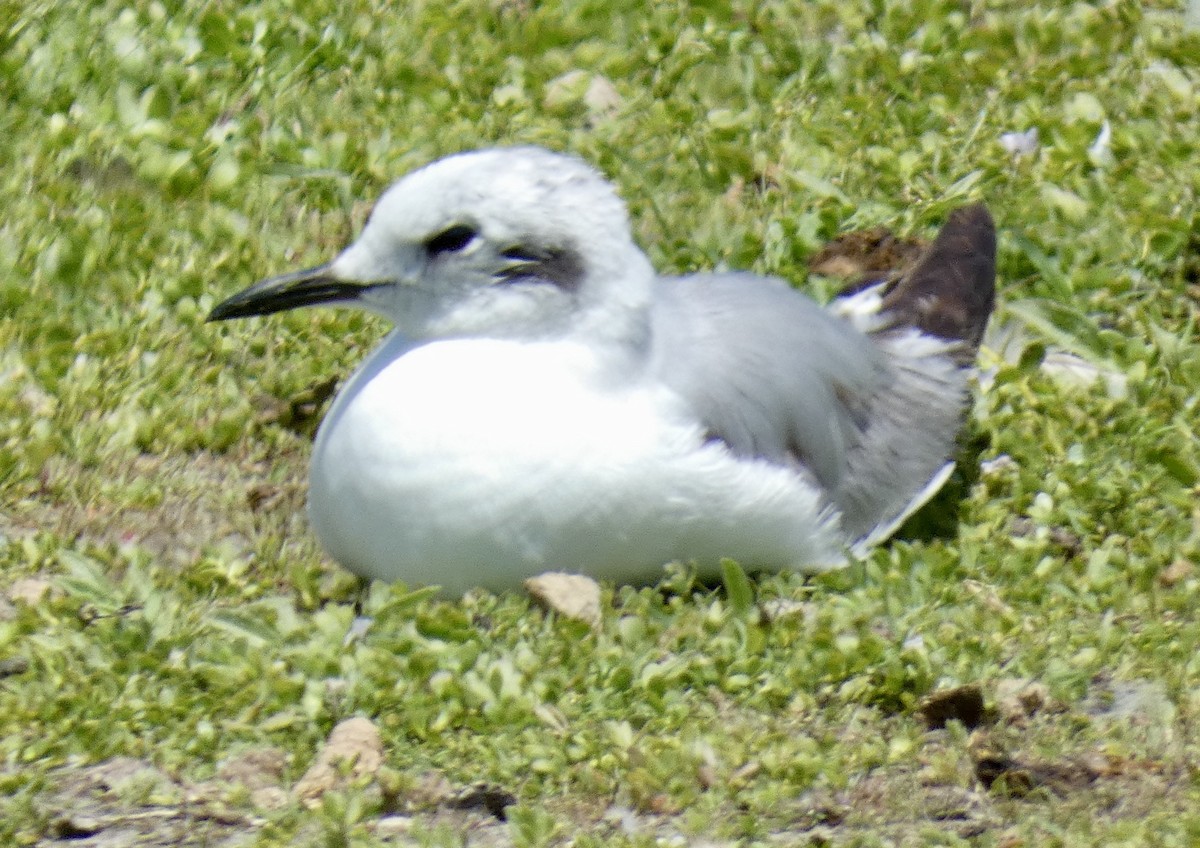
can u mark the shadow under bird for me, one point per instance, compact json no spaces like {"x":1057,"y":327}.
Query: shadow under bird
{"x":548,"y":402}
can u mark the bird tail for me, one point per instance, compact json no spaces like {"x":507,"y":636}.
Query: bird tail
{"x":928,"y":323}
{"x":950,"y":292}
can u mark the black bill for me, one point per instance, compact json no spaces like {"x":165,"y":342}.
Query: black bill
{"x":309,"y":287}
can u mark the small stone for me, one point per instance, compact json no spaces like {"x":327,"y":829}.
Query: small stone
{"x":594,"y":92}
{"x":355,"y":741}
{"x":565,"y":89}
{"x":391,"y":826}
{"x":29,"y":590}
{"x":570,"y":595}
{"x":602,"y":97}
{"x":1176,"y":573}
{"x":1018,"y":698}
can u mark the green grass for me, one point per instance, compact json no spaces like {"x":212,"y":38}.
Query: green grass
{"x":160,"y":158}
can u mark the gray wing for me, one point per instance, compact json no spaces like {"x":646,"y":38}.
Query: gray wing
{"x":769,"y":372}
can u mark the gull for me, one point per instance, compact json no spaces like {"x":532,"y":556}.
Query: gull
{"x":547,"y":401}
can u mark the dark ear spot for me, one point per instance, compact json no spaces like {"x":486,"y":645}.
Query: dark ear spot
{"x":450,"y":240}
{"x":561,"y":267}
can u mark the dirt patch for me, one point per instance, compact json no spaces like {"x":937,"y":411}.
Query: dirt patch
{"x":130,"y":802}
{"x":173,"y":507}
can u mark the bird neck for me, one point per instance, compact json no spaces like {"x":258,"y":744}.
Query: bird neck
{"x":614,"y":309}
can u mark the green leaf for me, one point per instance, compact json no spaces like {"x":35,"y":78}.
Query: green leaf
{"x":963,"y":186}
{"x":1047,"y":267}
{"x":243,"y":625}
{"x":738,"y":587}
{"x":394,"y":603}
{"x":85,"y":579}
{"x":1064,"y":326}
{"x":1031,"y":357}
{"x":1175,"y":461}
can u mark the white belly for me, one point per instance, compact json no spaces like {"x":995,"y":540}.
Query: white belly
{"x":482,"y":462}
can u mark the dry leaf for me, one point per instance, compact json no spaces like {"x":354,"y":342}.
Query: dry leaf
{"x":962,"y":703}
{"x":872,"y":252}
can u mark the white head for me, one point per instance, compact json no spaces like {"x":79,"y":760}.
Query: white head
{"x":512,"y":242}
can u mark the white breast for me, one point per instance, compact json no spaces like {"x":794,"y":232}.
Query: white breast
{"x":481,"y":462}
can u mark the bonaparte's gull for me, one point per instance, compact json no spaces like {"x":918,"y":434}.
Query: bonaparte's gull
{"x":548,"y":402}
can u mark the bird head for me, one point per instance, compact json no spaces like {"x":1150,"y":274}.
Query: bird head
{"x":510,"y":242}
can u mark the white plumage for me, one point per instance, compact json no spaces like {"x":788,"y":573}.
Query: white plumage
{"x":547,"y":402}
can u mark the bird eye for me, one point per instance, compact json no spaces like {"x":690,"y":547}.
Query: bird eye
{"x":450,"y":240}
{"x":521,"y":254}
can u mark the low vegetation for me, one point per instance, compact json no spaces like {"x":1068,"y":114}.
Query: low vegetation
{"x":174,"y":650}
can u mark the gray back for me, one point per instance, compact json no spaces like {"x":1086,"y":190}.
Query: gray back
{"x":771,"y":373}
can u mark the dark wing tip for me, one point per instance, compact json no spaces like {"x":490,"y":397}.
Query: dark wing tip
{"x":952,"y":289}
